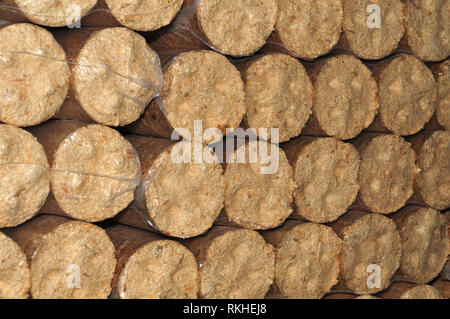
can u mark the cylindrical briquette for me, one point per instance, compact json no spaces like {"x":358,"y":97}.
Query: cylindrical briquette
{"x":326,"y":174}
{"x":94,"y":170}
{"x":114,"y":74}
{"x":361,"y":33}
{"x":432,"y":185}
{"x":234,"y":263}
{"x":35,"y":76}
{"x":371,"y":251}
{"x":407,"y":93}
{"x":14,"y":270}
{"x":152,"y":267}
{"x":255,"y":198}
{"x":53,"y":13}
{"x":179,"y":199}
{"x":443,"y":286}
{"x":200,"y":87}
{"x":427,"y":28}
{"x":306,"y":29}
{"x":24,"y":176}
{"x":146,"y":15}
{"x":232,"y":27}
{"x":68,"y":259}
{"x":442,"y":74}
{"x":425,"y":243}
{"x":278,"y":94}
{"x":345,"y":97}
{"x":404,"y":290}
{"x":307,"y":259}
{"x":387,"y":172}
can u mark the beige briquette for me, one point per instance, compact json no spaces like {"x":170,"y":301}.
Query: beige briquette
{"x":152,"y":267}
{"x":114,"y":75}
{"x":94,"y":170}
{"x":369,"y":241}
{"x":386,"y":173}
{"x":345,"y":97}
{"x":234,"y":263}
{"x":68,"y":259}
{"x":308,"y":29}
{"x":427,"y":28}
{"x":14,"y":270}
{"x":258,"y":195}
{"x":53,"y":13}
{"x":307,"y":259}
{"x":432,"y":184}
{"x":369,"y":41}
{"x":178,"y":198}
{"x":35,"y":75}
{"x":403,"y":290}
{"x":408,"y":94}
{"x":147,"y":15}
{"x":326,"y":174}
{"x":236,"y":27}
{"x":443,"y":286}
{"x":200,"y":87}
{"x":443,"y":105}
{"x":24,"y":176}
{"x":279,"y":94}
{"x":425,"y":243}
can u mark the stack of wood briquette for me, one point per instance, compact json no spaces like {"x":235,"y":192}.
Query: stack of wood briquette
{"x":114,"y":115}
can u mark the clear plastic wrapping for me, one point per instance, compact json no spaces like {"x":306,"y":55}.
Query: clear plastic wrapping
{"x":106,"y":75}
{"x":165,"y":260}
{"x":94,"y":171}
{"x":147,"y":15}
{"x":178,"y":196}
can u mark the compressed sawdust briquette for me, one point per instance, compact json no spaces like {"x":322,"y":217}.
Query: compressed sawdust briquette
{"x":279,"y":94}
{"x":146,"y":15}
{"x":24,"y":176}
{"x":179,"y":199}
{"x":404,"y":290}
{"x":114,"y":75}
{"x":387,"y":172}
{"x":345,"y":97}
{"x":326,"y":174}
{"x":54,"y":13}
{"x":35,"y":76}
{"x":14,"y":270}
{"x":152,"y":267}
{"x":408,"y":94}
{"x":307,"y":29}
{"x":258,"y":195}
{"x":367,"y":41}
{"x":235,"y":27}
{"x":200,"y":87}
{"x":234,"y":263}
{"x":432,"y":185}
{"x":94,"y":170}
{"x":307,"y":259}
{"x":68,"y":259}
{"x":425,"y":243}
{"x":369,"y":240}
{"x":443,"y":286}
{"x":443,"y":82}
{"x":427,"y":28}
